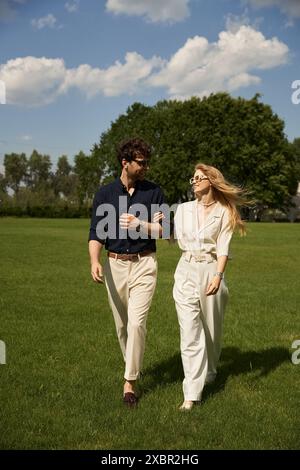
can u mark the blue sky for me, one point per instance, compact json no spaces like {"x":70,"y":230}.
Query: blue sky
{"x":72,"y":67}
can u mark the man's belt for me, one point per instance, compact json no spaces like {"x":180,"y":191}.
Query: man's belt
{"x":129,"y":256}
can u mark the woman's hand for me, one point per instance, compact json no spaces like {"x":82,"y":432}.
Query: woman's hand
{"x":214,"y":285}
{"x":158,"y":216}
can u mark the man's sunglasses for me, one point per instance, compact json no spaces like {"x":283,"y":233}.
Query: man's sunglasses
{"x":143,"y":163}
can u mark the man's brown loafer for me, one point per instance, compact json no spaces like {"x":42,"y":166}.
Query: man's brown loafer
{"x":130,"y":399}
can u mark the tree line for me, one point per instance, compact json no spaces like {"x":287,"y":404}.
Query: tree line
{"x":29,"y":187}
{"x":244,"y":138}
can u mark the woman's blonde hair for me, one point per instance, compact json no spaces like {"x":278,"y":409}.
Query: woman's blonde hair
{"x":227,"y":194}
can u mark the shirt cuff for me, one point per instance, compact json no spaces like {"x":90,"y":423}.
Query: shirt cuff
{"x":93,"y":236}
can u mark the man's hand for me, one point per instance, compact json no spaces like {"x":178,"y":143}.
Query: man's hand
{"x":96,"y":272}
{"x":213,"y":286}
{"x":128,"y":221}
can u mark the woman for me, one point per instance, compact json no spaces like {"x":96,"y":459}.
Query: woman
{"x":203,"y":228}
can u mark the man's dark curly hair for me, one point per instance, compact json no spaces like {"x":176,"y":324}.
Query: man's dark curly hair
{"x":130,"y":149}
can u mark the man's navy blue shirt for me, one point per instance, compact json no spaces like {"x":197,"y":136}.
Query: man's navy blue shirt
{"x":146,"y":193}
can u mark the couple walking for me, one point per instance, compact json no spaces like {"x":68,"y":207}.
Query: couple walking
{"x":203,"y":228}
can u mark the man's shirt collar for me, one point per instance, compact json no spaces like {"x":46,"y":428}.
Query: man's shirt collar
{"x":123,"y":188}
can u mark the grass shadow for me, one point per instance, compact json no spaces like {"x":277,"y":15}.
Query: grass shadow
{"x":162,"y":374}
{"x":234,"y":362}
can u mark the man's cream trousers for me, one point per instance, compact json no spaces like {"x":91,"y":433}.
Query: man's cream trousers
{"x":130,"y":286}
{"x":201,"y":319}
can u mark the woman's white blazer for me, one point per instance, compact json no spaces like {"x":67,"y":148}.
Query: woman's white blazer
{"x":212,"y":238}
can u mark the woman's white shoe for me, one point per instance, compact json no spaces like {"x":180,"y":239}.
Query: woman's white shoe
{"x":187,"y":405}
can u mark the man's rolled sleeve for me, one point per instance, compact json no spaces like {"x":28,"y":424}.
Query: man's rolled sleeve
{"x":96,"y":219}
{"x":224,"y":237}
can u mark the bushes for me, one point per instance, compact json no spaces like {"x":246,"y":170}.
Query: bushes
{"x":67,"y":211}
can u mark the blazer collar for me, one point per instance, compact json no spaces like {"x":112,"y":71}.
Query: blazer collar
{"x":215,"y":213}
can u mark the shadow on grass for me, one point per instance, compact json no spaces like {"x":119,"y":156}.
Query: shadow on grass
{"x":162,"y":374}
{"x":234,"y":362}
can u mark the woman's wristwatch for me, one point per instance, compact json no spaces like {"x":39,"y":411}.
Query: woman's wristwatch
{"x":221,"y":275}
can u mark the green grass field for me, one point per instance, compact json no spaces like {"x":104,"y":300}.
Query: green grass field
{"x":62,"y":385}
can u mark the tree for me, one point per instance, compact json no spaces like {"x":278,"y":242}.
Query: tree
{"x":38,"y":175}
{"x":244,"y":138}
{"x":3,"y":184}
{"x":88,"y":173}
{"x":133,"y":123}
{"x":295,"y":149}
{"x":3,"y":190}
{"x":64,"y":182}
{"x":15,"y":170}
{"x":63,"y":166}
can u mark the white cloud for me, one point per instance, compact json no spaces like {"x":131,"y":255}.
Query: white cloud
{"x":290,"y":7}
{"x":48,"y":21}
{"x":234,"y":22}
{"x":72,"y":7}
{"x":289,"y":23}
{"x":32,"y":81}
{"x":242,"y":80}
{"x":197,"y":68}
{"x":115,"y":80}
{"x":200,"y":67}
{"x":153,"y":10}
{"x":26,"y":138}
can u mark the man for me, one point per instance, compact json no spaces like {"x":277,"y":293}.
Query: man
{"x":130,"y":270}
